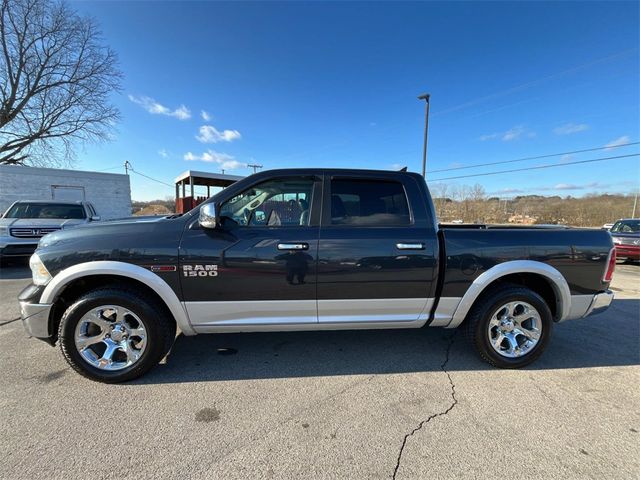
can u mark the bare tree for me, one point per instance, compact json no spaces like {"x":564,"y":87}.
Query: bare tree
{"x":56,"y":77}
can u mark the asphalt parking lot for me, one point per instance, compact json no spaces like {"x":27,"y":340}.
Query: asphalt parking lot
{"x":377,"y":404}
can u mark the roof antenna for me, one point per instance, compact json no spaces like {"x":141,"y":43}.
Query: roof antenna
{"x":403,"y":169}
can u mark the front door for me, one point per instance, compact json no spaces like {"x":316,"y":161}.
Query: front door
{"x":377,"y":256}
{"x":259,"y":266}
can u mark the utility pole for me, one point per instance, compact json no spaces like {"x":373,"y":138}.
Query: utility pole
{"x":635,"y":202}
{"x":425,"y":97}
{"x":127,"y":166}
{"x":255,"y":166}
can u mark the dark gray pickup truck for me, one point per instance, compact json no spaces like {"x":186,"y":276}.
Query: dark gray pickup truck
{"x":309,"y":249}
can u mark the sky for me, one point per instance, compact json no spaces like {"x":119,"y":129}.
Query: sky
{"x":212,"y":86}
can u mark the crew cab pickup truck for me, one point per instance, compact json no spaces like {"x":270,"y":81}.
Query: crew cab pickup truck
{"x":309,"y":249}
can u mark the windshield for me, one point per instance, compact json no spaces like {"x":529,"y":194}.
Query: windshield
{"x":46,"y":210}
{"x":627,"y":226}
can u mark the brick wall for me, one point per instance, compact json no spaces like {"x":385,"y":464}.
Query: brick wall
{"x":110,"y":193}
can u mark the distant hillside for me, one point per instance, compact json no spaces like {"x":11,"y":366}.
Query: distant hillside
{"x":471,"y":205}
{"x":153,"y":207}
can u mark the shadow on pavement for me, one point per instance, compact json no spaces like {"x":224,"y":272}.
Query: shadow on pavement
{"x":606,"y":340}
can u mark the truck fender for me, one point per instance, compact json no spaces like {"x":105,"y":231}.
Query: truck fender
{"x":555,"y":278}
{"x":123,"y":269}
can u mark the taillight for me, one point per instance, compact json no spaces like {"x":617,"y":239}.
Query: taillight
{"x":611,"y":266}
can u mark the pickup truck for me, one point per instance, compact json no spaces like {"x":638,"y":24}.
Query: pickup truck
{"x":308,"y":249}
{"x":25,"y":222}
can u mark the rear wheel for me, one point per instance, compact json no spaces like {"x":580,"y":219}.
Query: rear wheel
{"x":510,"y":326}
{"x":113,"y":335}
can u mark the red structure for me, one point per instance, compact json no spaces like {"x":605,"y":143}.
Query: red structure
{"x":186,"y":182}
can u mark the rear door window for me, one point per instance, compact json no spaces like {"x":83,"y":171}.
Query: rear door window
{"x":373,"y":203}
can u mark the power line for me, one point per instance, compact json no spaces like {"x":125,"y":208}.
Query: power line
{"x":150,"y":178}
{"x":539,"y":167}
{"x":534,"y":158}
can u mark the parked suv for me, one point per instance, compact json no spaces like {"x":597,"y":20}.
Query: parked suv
{"x":25,"y":222}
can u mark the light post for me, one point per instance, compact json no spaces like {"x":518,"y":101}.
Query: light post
{"x":425,"y":97}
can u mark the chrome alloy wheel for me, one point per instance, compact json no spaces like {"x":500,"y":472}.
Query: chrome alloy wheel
{"x":110,"y":337}
{"x":514,"y":329}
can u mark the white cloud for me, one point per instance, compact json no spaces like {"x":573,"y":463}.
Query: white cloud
{"x":163,"y":153}
{"x":225,"y":160}
{"x":569,"y":128}
{"x":514,"y":133}
{"x":156,"y":108}
{"x":205,"y":115}
{"x":617,"y":142}
{"x":567,"y":186}
{"x":210,"y":134}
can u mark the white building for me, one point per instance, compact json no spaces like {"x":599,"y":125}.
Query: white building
{"x":110,"y":193}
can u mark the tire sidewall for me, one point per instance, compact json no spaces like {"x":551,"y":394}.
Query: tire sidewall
{"x":138,"y":306}
{"x":482,"y":331}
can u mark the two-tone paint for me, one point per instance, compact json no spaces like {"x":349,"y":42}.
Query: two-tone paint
{"x":239,"y":278}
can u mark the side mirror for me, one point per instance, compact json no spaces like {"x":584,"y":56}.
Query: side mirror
{"x":208,"y":216}
{"x":95,"y":218}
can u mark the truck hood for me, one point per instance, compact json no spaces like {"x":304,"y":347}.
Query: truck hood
{"x":134,"y":240}
{"x":40,"y":222}
{"x":82,"y":233}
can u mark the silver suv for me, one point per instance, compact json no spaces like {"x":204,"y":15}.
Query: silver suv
{"x":25,"y":222}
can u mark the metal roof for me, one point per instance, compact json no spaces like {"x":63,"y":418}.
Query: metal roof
{"x":208,"y":178}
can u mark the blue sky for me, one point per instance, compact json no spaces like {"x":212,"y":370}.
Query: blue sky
{"x":211,"y":85}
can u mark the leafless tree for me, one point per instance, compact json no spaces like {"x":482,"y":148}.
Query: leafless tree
{"x":56,"y":76}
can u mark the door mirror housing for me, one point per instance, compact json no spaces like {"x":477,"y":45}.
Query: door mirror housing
{"x":209,"y":216}
{"x":95,"y":218}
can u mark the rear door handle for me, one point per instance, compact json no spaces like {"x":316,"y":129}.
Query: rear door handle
{"x":410,"y":246}
{"x":293,"y":246}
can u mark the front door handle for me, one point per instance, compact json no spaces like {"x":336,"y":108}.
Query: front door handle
{"x":410,"y":246}
{"x":293,"y":246}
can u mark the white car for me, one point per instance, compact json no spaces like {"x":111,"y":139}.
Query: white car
{"x":25,"y":222}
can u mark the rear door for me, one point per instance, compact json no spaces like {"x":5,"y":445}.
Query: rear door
{"x":377,"y":250}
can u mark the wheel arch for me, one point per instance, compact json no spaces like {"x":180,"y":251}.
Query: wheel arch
{"x":100,"y":273}
{"x":540,"y":277}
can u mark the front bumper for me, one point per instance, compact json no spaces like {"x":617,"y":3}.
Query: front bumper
{"x":14,"y":247}
{"x":600,"y":303}
{"x":35,"y":316}
{"x":627,"y":251}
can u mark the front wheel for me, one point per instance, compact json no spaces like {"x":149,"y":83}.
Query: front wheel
{"x":113,"y":335}
{"x":509,"y":326}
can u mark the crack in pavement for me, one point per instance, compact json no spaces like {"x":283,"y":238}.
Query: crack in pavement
{"x":7,"y":322}
{"x":435,"y":415}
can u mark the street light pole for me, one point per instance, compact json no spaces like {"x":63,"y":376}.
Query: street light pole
{"x":425,"y":97}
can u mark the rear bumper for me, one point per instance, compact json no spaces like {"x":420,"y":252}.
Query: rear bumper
{"x":600,"y":303}
{"x":584,"y":305}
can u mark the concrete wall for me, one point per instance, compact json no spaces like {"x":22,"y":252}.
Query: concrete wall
{"x":110,"y":193}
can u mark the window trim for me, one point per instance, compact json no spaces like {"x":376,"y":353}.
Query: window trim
{"x":326,"y":214}
{"x":314,"y":204}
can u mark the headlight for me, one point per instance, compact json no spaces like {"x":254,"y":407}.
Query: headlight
{"x":617,"y":240}
{"x":4,"y":231}
{"x":39,"y":273}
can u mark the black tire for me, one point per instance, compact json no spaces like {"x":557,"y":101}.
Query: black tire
{"x":476,"y":325}
{"x":160,"y":328}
